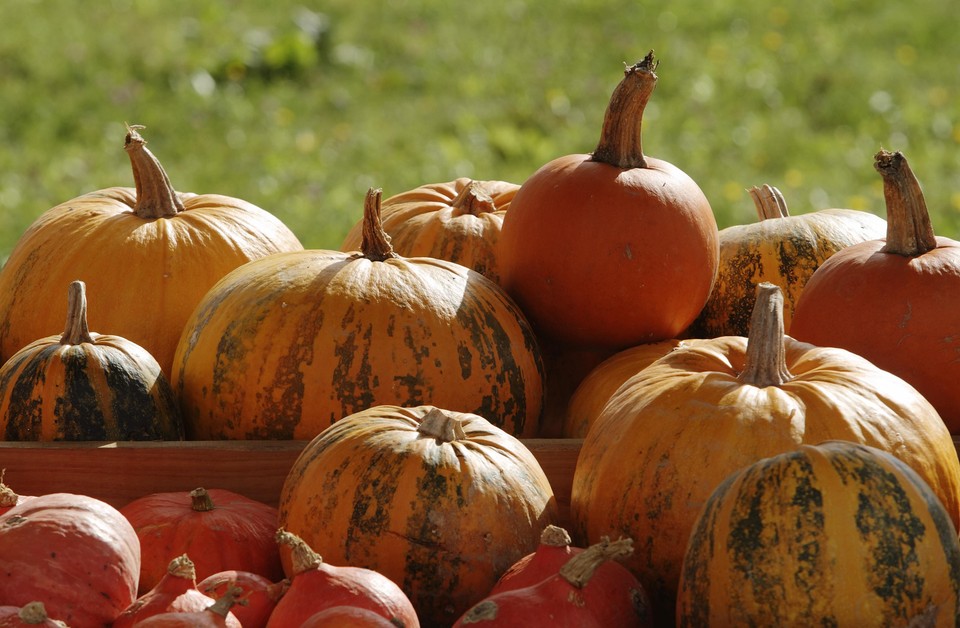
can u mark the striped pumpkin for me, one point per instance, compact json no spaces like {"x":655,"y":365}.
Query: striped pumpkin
{"x":441,"y":502}
{"x":838,"y":534}
{"x":152,"y":250}
{"x":458,"y":221}
{"x":286,"y":345}
{"x":85,"y":386}
{"x":781,"y":249}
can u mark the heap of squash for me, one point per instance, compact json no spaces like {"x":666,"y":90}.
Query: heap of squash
{"x":766,"y":410}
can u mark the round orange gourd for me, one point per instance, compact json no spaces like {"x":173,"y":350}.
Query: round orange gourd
{"x":895,"y":301}
{"x":672,"y":432}
{"x":835,"y":534}
{"x":612,"y":248}
{"x":780,"y":249}
{"x":218,"y":528}
{"x":287,"y":345}
{"x":440,"y":502}
{"x":75,"y":553}
{"x":147,"y":256}
{"x":82,"y":385}
{"x":458,"y":221}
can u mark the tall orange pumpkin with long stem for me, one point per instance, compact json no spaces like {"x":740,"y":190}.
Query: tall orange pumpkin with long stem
{"x":612,"y":248}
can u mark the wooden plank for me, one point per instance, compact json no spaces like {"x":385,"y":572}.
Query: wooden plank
{"x":118,"y":472}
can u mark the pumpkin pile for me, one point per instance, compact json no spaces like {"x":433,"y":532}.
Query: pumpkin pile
{"x":765,"y":414}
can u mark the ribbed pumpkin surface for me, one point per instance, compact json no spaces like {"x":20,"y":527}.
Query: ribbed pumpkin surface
{"x":459,"y":221}
{"x":286,"y":345}
{"x":442,"y":516}
{"x":832,"y":535}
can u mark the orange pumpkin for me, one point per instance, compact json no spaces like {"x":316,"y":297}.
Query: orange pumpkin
{"x":781,"y":249}
{"x":612,"y":248}
{"x":459,"y":221}
{"x":287,"y":345}
{"x":152,"y":249}
{"x":672,"y":432}
{"x":835,"y":534}
{"x":895,"y":301}
{"x":440,"y":502}
{"x":85,"y":386}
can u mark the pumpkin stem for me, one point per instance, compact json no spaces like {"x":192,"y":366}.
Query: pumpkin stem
{"x":156,"y":197}
{"x":620,"y":141}
{"x":200,"y":500}
{"x":225,"y":602}
{"x":555,"y":536}
{"x":769,"y":202}
{"x":473,"y":199}
{"x":182,"y":567}
{"x":375,"y":245}
{"x":766,"y":363}
{"x":579,"y":569}
{"x":302,"y":555}
{"x":444,"y":427}
{"x":909,"y":231}
{"x":76,"y":331}
{"x":35,"y":613}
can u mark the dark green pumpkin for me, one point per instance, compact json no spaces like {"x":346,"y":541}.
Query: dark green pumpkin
{"x":82,"y":386}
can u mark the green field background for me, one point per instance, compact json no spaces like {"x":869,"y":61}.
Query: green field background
{"x":300,"y":107}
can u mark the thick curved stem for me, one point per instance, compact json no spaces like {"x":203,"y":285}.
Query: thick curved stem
{"x":442,"y":426}
{"x":769,"y":202}
{"x":473,"y":199}
{"x":302,"y":556}
{"x":580,"y":569}
{"x":909,"y":231}
{"x":76,"y":332}
{"x":376,"y":242}
{"x":156,"y":197}
{"x":766,"y":363}
{"x":620,"y":142}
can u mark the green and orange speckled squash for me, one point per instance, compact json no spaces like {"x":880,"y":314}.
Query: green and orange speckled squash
{"x":780,"y":249}
{"x":458,"y":221}
{"x":147,"y":256}
{"x":286,"y":345}
{"x":837,"y":534}
{"x":675,"y":430}
{"x":85,"y":386}
{"x":441,"y":502}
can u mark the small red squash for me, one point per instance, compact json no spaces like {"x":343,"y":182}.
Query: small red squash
{"x":81,"y":385}
{"x":555,"y":549}
{"x":458,"y":221}
{"x":32,"y":615}
{"x":835,"y":534}
{"x":612,"y":248}
{"x":217,"y":615}
{"x":219,"y":529}
{"x":77,"y":554}
{"x":316,"y":585}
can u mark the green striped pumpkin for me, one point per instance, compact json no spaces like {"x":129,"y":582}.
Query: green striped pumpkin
{"x":85,"y":386}
{"x":285,"y":346}
{"x":836,"y":534}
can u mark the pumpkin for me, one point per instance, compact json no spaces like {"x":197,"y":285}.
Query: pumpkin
{"x":75,"y":553}
{"x":347,"y":617}
{"x":612,"y":248}
{"x":589,"y":589}
{"x":835,"y":534}
{"x":594,"y":390}
{"x":82,"y":385}
{"x":317,"y":585}
{"x":257,"y":598}
{"x":555,"y":549}
{"x":155,"y":250}
{"x":673,"y":431}
{"x":217,"y":615}
{"x":781,"y":249}
{"x":459,"y":221}
{"x":8,"y":497}
{"x":218,"y":528}
{"x":32,"y":614}
{"x":176,"y":592}
{"x":441,"y":502}
{"x":286,"y":345}
{"x":894,"y":300}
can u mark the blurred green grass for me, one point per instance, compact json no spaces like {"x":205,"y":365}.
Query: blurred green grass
{"x":300,"y":107}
